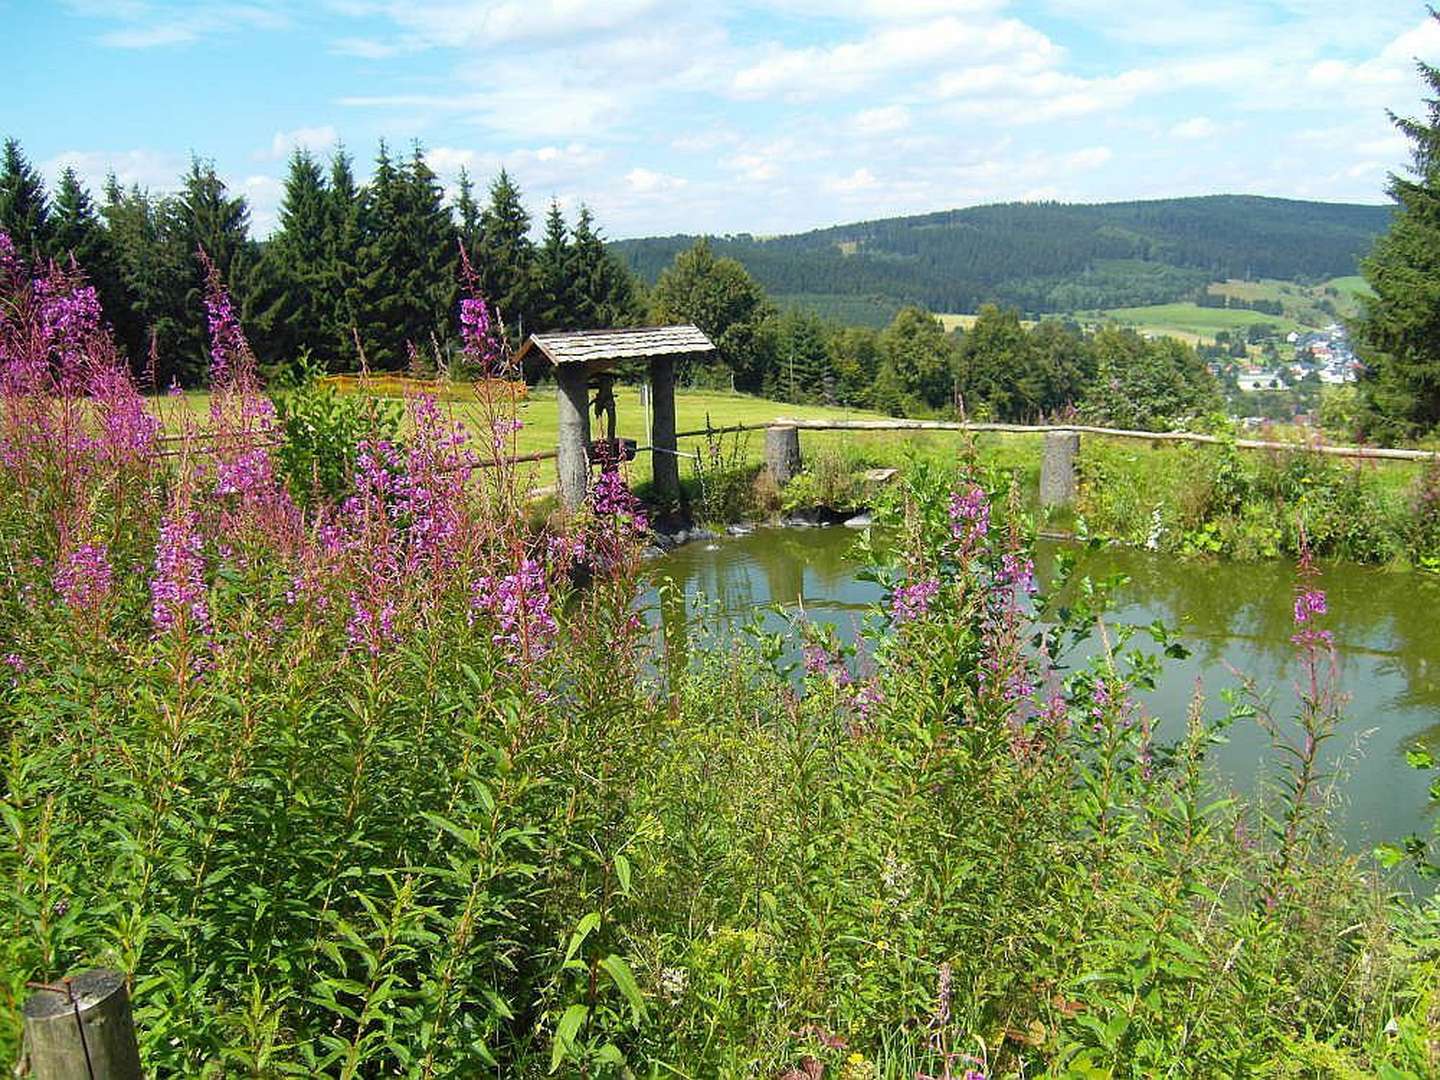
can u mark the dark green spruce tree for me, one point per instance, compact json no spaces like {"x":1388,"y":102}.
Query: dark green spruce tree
{"x":553,"y":292}
{"x":467,"y":213}
{"x":24,"y":206}
{"x":1399,"y":330}
{"x":210,"y":217}
{"x":342,"y":242}
{"x":603,"y":293}
{"x":288,"y":311}
{"x":79,"y":233}
{"x":406,"y":282}
{"x":156,"y":268}
{"x":507,"y":256}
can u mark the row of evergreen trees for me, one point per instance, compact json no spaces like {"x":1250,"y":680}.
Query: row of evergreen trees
{"x":352,"y":266}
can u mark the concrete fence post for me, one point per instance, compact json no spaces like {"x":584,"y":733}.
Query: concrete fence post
{"x":82,"y":1029}
{"x":1058,"y":482}
{"x":782,"y":453}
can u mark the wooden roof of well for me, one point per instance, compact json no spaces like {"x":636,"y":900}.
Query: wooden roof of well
{"x":600,"y":346}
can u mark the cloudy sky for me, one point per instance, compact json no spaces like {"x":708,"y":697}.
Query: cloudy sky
{"x":728,"y":116}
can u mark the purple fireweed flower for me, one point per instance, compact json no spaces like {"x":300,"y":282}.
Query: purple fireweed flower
{"x":177,"y":586}
{"x":1017,"y":574}
{"x":868,"y":697}
{"x":818,"y":660}
{"x":1308,"y":605}
{"x":84,"y":578}
{"x":912,"y":601}
{"x":129,"y":432}
{"x":520,"y":606}
{"x":478,"y":336}
{"x":969,"y":516}
{"x":502,"y":429}
{"x":371,"y":625}
{"x":564,"y":549}
{"x":229,"y":352}
{"x":70,"y":320}
{"x":11,"y":266}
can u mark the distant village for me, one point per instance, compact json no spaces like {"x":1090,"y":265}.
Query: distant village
{"x":1325,"y":354}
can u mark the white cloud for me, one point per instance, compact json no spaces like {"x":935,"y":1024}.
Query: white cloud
{"x":264,"y":195}
{"x":649,"y":182}
{"x":314,"y":139}
{"x":1092,"y":157}
{"x":148,"y":24}
{"x":1197,"y":127}
{"x":861,"y":179}
{"x":520,"y":110}
{"x":882,"y":121}
{"x":154,"y":170}
{"x":820,"y":71}
{"x":458,"y":25}
{"x":1392,"y":68}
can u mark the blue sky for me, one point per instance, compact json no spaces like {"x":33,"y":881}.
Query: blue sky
{"x":667,"y":116}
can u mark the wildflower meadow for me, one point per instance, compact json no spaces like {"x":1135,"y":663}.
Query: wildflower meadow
{"x":356,"y":764}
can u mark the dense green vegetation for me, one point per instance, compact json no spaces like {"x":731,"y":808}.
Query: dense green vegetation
{"x":356,"y":770}
{"x":1047,"y":257}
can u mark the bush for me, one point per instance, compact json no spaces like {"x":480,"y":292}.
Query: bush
{"x":320,"y":430}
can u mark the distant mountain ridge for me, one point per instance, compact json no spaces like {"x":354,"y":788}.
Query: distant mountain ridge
{"x":1046,"y":256}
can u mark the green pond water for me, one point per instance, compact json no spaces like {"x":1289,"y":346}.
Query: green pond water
{"x":1234,"y":617}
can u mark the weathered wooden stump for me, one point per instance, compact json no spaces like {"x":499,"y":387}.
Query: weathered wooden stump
{"x":782,"y":453}
{"x":1058,"y":484}
{"x":82,"y":1030}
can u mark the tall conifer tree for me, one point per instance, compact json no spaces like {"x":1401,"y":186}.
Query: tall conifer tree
{"x":343,"y":239}
{"x":1400,"y":328}
{"x":24,"y":206}
{"x":79,"y":233}
{"x":507,"y":254}
{"x":290,"y":315}
{"x":554,"y":293}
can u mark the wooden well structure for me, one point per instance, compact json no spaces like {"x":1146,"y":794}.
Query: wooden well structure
{"x":587,"y":358}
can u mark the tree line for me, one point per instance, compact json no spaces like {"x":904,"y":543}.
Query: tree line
{"x":1000,"y":368}
{"x":372,"y":266}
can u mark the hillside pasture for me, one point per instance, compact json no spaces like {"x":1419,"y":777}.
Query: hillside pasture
{"x":1190,"y":322}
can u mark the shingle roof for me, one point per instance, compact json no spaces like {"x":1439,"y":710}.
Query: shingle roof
{"x":587,"y":346}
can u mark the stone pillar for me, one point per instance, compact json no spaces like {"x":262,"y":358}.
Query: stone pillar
{"x":664,"y":465}
{"x":81,"y":1030}
{"x":572,"y":447}
{"x":782,"y":453}
{"x":1058,"y":484}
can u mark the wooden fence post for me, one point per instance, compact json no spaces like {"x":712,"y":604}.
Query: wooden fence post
{"x":572,"y":445}
{"x":782,"y":452}
{"x":82,"y":1029}
{"x":1058,"y":484}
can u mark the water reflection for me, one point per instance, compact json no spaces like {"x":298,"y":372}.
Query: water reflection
{"x":1235,"y":617}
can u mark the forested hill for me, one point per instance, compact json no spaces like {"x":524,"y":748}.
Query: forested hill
{"x":1045,"y":256}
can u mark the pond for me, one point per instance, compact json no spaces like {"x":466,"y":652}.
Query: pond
{"x":1234,"y":617}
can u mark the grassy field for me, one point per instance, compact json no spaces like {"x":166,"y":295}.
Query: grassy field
{"x":1191,"y":322}
{"x":539,"y":416}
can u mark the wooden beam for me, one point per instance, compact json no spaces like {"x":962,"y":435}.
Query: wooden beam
{"x":664,"y":465}
{"x":572,"y":447}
